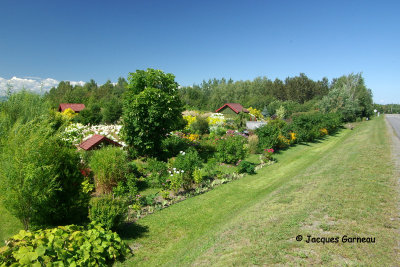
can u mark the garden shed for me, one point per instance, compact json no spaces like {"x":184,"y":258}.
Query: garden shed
{"x":231,"y":109}
{"x":95,"y":140}
{"x":75,"y":107}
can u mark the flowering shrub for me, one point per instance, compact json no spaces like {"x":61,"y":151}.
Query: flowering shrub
{"x":189,"y":120}
{"x":76,"y":133}
{"x":231,"y":148}
{"x":69,"y":113}
{"x":267,"y":154}
{"x":216,"y":122}
{"x":323,"y":131}
{"x":292,"y":137}
{"x":175,"y":181}
{"x":255,"y":112}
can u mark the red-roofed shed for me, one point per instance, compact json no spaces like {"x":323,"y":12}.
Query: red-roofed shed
{"x":235,"y":107}
{"x":95,"y":141}
{"x":75,"y":107}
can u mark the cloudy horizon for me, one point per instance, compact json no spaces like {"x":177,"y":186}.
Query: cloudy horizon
{"x":34,"y":84}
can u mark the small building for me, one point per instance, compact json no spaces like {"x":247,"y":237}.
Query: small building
{"x":75,"y":107}
{"x":95,"y":140}
{"x":231,"y":109}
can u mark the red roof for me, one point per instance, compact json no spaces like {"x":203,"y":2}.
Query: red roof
{"x":96,"y":140}
{"x":74,"y":107}
{"x":236,"y":107}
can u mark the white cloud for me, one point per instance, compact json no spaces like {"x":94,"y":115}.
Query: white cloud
{"x":34,"y":84}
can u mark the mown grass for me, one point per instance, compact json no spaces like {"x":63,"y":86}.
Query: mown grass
{"x":344,"y":185}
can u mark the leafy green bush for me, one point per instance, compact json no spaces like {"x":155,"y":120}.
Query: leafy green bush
{"x":188,"y":161}
{"x":231,"y":149}
{"x":158,"y":172}
{"x":173,"y":144}
{"x":108,"y":211}
{"x":308,"y":125}
{"x":109,"y":166}
{"x":70,"y":245}
{"x":246,"y":167}
{"x":40,"y":178}
{"x":200,"y":125}
{"x":273,"y":135}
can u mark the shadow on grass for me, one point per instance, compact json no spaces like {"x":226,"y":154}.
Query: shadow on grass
{"x":132,"y":230}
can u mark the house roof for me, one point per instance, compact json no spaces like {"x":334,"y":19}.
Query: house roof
{"x":96,"y":140}
{"x":74,"y":107}
{"x":236,"y":107}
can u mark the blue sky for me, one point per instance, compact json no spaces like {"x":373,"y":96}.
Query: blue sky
{"x":196,"y":40}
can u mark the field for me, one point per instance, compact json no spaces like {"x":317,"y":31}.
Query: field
{"x":343,"y":185}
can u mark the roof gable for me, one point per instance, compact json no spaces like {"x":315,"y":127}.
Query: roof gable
{"x":74,"y":106}
{"x":236,"y":107}
{"x":96,"y":140}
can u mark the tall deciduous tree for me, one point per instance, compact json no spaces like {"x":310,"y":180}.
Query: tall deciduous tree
{"x":152,"y":108}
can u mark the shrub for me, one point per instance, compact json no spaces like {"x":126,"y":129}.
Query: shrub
{"x":200,"y":125}
{"x":109,"y":165}
{"x":108,"y":211}
{"x":188,"y":161}
{"x":173,"y":144}
{"x":253,"y":144}
{"x":246,"y":167}
{"x":70,"y":245}
{"x":267,"y":154}
{"x":40,"y":178}
{"x":198,"y":176}
{"x":158,"y":172}
{"x":231,"y":149}
{"x":308,"y":125}
{"x":268,"y":135}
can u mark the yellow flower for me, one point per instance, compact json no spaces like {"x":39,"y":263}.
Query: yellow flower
{"x":190,"y":119}
{"x":323,"y":131}
{"x":292,"y":136}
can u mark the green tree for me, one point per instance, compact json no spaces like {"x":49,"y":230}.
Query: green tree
{"x":152,"y":108}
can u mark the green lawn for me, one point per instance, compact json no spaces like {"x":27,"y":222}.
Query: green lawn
{"x":343,"y":185}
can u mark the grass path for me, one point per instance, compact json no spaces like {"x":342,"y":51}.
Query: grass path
{"x":344,"y":185}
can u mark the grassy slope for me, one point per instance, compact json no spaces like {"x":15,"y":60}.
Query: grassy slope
{"x":342,"y":186}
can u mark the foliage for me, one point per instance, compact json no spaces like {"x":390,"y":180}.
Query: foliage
{"x":256,"y":113}
{"x":350,"y":97}
{"x":253,"y":143}
{"x":281,"y":112}
{"x":158,"y":172}
{"x":267,"y":154}
{"x":64,"y":246}
{"x":198,"y":176}
{"x":109,"y":212}
{"x":231,"y":149}
{"x":69,"y":113}
{"x":240,"y":121}
{"x":173,"y":144}
{"x":109,"y":165}
{"x":189,"y":120}
{"x":188,"y":161}
{"x":307,"y":126}
{"x":200,"y":125}
{"x":176,"y":180}
{"x":246,"y":167}
{"x":40,"y":178}
{"x":258,"y":93}
{"x":152,"y":108}
{"x":272,"y":134}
